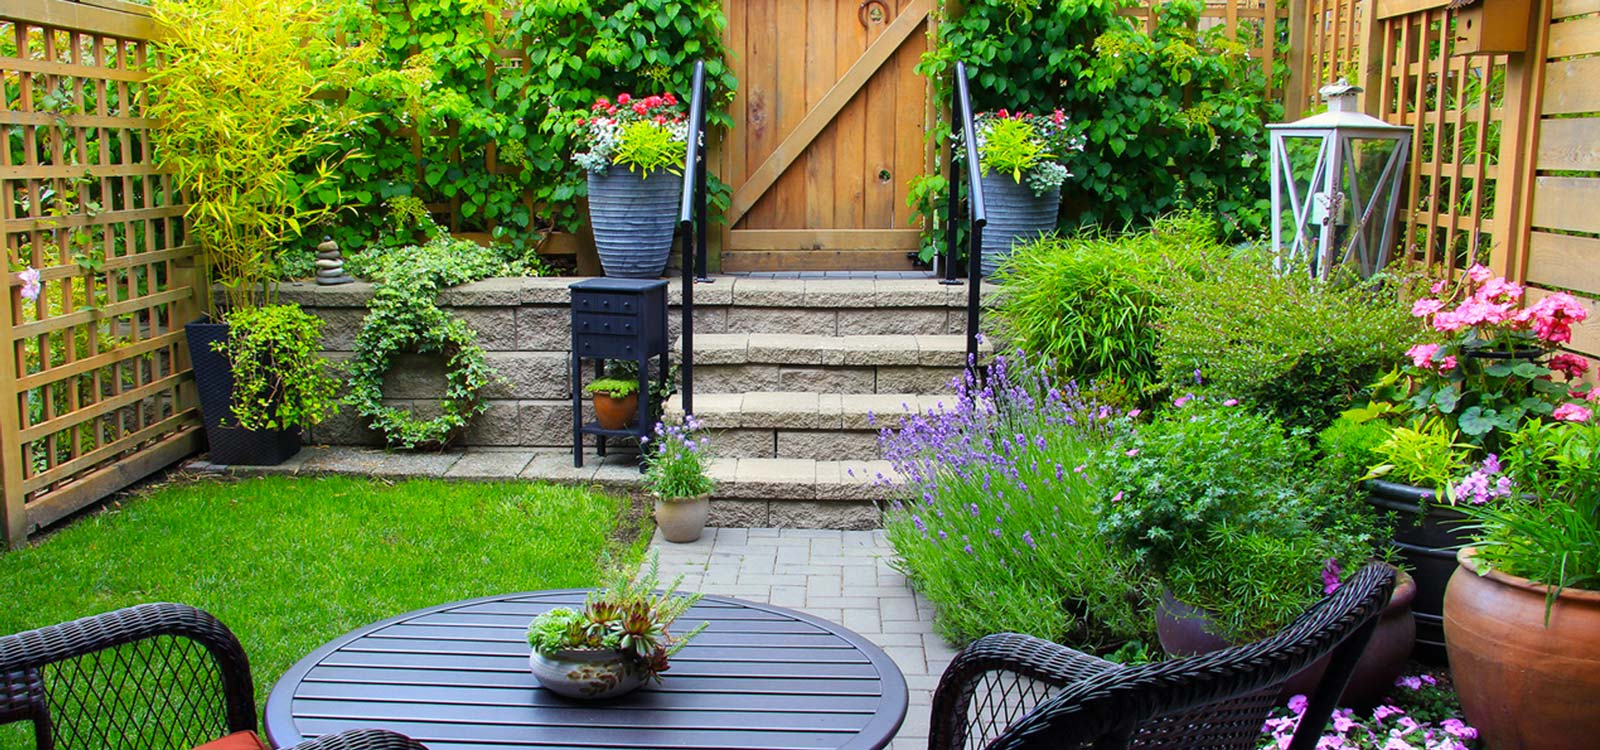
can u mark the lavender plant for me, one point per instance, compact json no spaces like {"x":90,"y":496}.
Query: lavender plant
{"x":996,"y":524}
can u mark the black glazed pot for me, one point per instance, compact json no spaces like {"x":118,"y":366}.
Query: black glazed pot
{"x":1427,"y":535}
{"x":213,"y":377}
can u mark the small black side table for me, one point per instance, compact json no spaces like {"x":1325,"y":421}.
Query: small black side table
{"x":616,"y":319}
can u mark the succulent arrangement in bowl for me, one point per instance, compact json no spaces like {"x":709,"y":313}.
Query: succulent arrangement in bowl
{"x":618,"y":640}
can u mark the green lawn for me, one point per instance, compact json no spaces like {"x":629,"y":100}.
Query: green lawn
{"x":290,"y":563}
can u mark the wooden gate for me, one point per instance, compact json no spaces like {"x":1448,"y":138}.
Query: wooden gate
{"x":828,"y":133}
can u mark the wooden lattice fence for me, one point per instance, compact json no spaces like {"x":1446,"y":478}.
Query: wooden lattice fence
{"x":95,"y":386}
{"x":1254,"y":23}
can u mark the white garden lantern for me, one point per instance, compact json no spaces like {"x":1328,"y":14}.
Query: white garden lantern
{"x":1335,"y":183}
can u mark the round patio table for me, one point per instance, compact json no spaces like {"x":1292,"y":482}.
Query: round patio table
{"x":457,"y":676}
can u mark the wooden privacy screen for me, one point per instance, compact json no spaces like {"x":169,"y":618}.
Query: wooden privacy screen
{"x":1325,"y":40}
{"x":1563,"y":245}
{"x":830,"y":118}
{"x":95,"y":387}
{"x":1253,"y":23}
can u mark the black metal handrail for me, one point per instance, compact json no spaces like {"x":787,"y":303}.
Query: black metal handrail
{"x":692,"y":224}
{"x":977,"y":215}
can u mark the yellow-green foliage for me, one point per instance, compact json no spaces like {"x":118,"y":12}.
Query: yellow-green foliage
{"x":236,"y":90}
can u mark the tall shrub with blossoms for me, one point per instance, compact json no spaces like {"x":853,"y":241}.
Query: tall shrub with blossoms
{"x":642,"y":134}
{"x":1493,"y":364}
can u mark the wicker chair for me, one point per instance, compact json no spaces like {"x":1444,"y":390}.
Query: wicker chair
{"x":147,"y":677}
{"x":1010,"y":692}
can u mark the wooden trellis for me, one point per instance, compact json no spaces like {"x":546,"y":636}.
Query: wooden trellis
{"x":1253,"y":23}
{"x":95,"y":386}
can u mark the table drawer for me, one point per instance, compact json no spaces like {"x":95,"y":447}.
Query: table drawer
{"x":601,"y":302}
{"x":605,"y":325}
{"x":608,"y":347}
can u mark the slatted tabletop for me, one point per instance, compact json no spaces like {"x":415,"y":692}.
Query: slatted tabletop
{"x":457,"y":676}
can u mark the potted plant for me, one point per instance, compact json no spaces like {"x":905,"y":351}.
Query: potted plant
{"x":617,"y":642}
{"x":1522,"y":614}
{"x":1491,"y":367}
{"x":633,"y":150}
{"x":234,"y":121}
{"x":1020,"y":158}
{"x":676,"y":476}
{"x":1232,"y":516}
{"x":616,"y":401}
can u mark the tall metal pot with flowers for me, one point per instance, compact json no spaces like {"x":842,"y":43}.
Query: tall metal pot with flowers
{"x":676,"y":475}
{"x":617,"y":642}
{"x":1021,"y":156}
{"x":631,"y":150}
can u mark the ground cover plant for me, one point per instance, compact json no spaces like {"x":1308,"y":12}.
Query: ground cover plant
{"x":289,"y":563}
{"x":1421,"y":713}
{"x":997,"y":526}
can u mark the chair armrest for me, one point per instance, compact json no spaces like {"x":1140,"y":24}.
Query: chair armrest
{"x":1013,"y":673}
{"x":23,"y":657}
{"x":361,"y":739}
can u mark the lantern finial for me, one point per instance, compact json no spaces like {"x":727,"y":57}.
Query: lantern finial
{"x":1340,"y":95}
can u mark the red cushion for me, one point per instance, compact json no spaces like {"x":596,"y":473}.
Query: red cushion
{"x":246,"y":740}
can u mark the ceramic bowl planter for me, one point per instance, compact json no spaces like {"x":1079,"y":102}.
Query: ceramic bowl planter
{"x":1524,"y":683}
{"x":1427,"y":535}
{"x":1186,"y":631}
{"x":615,"y":412}
{"x":1016,"y":216}
{"x":634,"y":219}
{"x":682,"y":519}
{"x":587,"y":674}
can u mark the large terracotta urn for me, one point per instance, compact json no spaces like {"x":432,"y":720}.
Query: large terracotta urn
{"x":1524,"y":682}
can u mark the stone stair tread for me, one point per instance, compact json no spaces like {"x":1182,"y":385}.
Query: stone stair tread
{"x":929,"y":350}
{"x":803,"y":410}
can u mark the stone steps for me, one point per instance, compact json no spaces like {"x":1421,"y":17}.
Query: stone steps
{"x":804,"y":425}
{"x":903,"y":363}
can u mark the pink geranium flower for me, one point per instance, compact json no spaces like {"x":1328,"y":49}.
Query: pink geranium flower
{"x":1422,"y":308}
{"x":1571,"y":413}
{"x":1479,"y":273}
{"x":1571,"y":366}
{"x":1422,"y":354}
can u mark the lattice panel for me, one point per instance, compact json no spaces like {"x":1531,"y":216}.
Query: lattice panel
{"x":1253,"y":23}
{"x":1455,"y":107}
{"x":1332,"y":47}
{"x":94,"y":376}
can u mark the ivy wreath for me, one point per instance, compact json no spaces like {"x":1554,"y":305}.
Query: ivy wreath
{"x":390,"y":329}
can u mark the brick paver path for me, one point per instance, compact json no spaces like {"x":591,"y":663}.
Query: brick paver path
{"x":840,"y":576}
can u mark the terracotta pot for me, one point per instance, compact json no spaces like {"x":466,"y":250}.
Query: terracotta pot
{"x":1426,"y":535}
{"x":682,"y":519}
{"x":588,"y":674}
{"x":615,"y":413}
{"x":1185,"y":631}
{"x":1524,"y":683}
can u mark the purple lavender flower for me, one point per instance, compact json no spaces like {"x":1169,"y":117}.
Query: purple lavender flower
{"x":1331,"y":575}
{"x":1027,"y":538}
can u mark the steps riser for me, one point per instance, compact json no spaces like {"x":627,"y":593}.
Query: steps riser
{"x":817,"y":445}
{"x":745,"y":378}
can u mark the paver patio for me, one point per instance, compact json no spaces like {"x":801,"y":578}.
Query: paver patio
{"x":841,"y":576}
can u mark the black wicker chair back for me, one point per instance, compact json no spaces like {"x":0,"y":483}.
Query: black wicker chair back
{"x":149,"y":677}
{"x":1015,"y":692}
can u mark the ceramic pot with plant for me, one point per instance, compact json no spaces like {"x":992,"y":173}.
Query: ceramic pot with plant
{"x":1522,"y":613}
{"x":616,"y":401}
{"x":678,"y":455}
{"x":633,"y":149}
{"x":618,"y":641}
{"x":1231,"y":514}
{"x":1021,"y":157}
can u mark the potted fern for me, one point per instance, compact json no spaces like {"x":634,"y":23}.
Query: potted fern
{"x":1020,"y":155}
{"x":632,"y":149}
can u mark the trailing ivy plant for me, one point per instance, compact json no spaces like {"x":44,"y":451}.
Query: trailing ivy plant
{"x":1170,"y":119}
{"x":404,"y":316}
{"x":279,"y":379}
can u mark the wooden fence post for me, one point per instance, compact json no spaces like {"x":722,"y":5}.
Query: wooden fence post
{"x":1519,"y":148}
{"x":13,"y":511}
{"x":1294,"y":93}
{"x":1369,"y":56}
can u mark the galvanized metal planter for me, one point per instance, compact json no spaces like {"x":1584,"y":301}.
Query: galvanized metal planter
{"x":1016,"y":216}
{"x":633,"y":220}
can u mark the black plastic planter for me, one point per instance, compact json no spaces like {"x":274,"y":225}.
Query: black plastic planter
{"x":213,"y":377}
{"x":1427,"y":535}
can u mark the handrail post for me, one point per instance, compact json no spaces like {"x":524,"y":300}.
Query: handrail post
{"x":953,"y":185}
{"x":977,"y":215}
{"x":692,"y":223}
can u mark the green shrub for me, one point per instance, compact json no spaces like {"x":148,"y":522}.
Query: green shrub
{"x":996,"y":522}
{"x":1229,"y":512}
{"x":1349,"y":446}
{"x":279,"y":378}
{"x":1300,"y":349}
{"x":1092,"y":302}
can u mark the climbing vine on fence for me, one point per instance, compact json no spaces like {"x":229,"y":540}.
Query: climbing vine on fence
{"x":489,"y":138}
{"x":1169,"y":118}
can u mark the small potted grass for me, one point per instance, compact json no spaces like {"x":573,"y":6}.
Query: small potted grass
{"x":676,"y":476}
{"x":616,"y":401}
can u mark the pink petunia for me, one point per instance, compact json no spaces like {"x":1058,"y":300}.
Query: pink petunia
{"x":1571,"y":413}
{"x":30,"y":283}
{"x":1458,"y":728}
{"x":1297,"y":704}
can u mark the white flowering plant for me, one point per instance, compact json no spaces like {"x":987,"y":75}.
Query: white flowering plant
{"x":1027,"y":146}
{"x":643,"y":134}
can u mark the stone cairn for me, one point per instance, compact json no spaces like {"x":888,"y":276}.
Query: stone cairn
{"x":330,"y":264}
